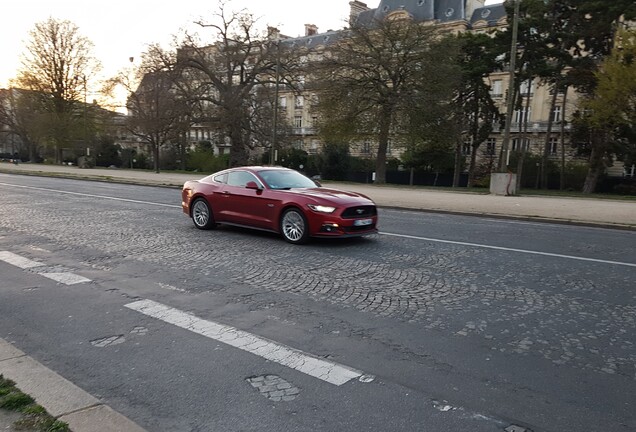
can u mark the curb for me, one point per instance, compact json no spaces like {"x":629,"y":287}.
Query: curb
{"x":61,"y":398}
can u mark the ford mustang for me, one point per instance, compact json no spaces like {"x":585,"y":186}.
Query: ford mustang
{"x":279,"y":200}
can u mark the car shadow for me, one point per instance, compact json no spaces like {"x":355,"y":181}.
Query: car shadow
{"x":316,"y":241}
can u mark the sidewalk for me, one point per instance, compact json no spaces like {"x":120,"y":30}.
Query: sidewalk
{"x":584,"y":211}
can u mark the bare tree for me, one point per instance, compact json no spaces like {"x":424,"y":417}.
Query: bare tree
{"x":158,"y":111}
{"x":19,"y":113}
{"x":55,"y":66}
{"x":228,"y":76}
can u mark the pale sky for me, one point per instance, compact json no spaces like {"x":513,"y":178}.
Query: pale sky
{"x":120,"y":29}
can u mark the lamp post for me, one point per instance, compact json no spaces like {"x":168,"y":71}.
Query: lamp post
{"x":503,"y":160}
{"x":88,"y":150}
{"x":272,"y":154}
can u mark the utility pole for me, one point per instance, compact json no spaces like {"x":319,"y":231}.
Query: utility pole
{"x":272,"y":154}
{"x":503,"y":160}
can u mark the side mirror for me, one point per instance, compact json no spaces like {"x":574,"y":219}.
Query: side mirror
{"x":252,"y":185}
{"x":317,"y":183}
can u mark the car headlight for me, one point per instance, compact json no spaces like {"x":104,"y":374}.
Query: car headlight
{"x":321,"y":208}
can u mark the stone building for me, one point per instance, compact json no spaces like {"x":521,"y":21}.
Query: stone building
{"x":450,"y":15}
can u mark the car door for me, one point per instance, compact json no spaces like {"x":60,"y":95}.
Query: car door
{"x":247,"y":206}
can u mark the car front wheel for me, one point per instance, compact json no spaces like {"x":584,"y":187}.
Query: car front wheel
{"x":294,"y":227}
{"x":202,"y":215}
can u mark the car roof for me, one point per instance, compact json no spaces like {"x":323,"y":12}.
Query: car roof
{"x":258,"y":168}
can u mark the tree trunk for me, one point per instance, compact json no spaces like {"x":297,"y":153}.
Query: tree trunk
{"x":458,"y":163}
{"x":546,"y":148}
{"x":383,"y":143}
{"x":594,"y":172}
{"x":238,"y":153}
{"x":523,"y":129}
{"x":562,"y":177}
{"x":471,"y":168}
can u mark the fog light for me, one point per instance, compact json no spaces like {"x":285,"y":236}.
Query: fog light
{"x":330,"y":227}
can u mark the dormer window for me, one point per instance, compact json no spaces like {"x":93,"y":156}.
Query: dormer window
{"x":485,"y":13}
{"x":450,"y":12}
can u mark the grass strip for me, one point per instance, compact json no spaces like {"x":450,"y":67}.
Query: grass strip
{"x":34,"y":417}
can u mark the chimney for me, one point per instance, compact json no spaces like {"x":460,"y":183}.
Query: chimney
{"x":273,"y":33}
{"x":310,"y":29}
{"x":356,"y":7}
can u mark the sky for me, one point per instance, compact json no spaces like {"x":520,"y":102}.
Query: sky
{"x":120,"y":29}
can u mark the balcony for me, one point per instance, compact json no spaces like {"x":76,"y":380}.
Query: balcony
{"x":304,"y":131}
{"x":534,"y":127}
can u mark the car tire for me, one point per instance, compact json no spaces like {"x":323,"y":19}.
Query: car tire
{"x":294,"y":227}
{"x":202,"y":215}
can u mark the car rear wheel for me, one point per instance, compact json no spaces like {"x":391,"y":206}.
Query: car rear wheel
{"x":293,"y":227}
{"x":202,"y":215}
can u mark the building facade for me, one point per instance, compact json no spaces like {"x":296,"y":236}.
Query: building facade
{"x":455,"y":16}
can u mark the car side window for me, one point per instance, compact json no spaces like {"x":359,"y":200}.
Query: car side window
{"x":240,"y":178}
{"x":221,"y":178}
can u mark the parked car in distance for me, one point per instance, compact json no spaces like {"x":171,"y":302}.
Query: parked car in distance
{"x":279,"y":200}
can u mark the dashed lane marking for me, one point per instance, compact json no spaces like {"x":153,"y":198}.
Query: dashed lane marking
{"x":67,"y":278}
{"x":293,"y":358}
{"x":18,"y":261}
{"x":93,"y":196}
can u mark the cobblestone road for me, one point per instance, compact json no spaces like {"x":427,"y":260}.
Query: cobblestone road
{"x":571,"y":313}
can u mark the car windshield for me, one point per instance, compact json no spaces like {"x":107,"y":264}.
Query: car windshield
{"x":283,"y":179}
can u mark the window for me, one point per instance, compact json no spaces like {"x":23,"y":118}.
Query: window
{"x":366,"y":147}
{"x":491,"y":144}
{"x":298,"y":144}
{"x":556,"y":114}
{"x":516,"y":144}
{"x":221,"y":178}
{"x":553,"y":145}
{"x":525,"y":85}
{"x":282,"y":102}
{"x":298,"y":121}
{"x":466,"y":148}
{"x":299,"y":101}
{"x":522,"y":115}
{"x":240,"y":178}
{"x":496,"y":88}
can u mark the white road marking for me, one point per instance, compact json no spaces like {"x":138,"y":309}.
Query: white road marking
{"x":93,"y":196}
{"x":18,"y":261}
{"x":66,"y":278}
{"x":303,"y":362}
{"x":511,"y":249}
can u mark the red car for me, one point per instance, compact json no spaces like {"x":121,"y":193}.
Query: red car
{"x":280,"y":200}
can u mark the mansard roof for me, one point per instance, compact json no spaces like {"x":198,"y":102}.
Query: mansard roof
{"x":490,"y":14}
{"x":441,"y":11}
{"x":419,"y":10}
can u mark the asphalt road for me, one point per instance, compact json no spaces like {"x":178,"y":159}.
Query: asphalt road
{"x":447,"y":323}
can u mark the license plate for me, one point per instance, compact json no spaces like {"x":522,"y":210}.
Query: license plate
{"x":363,"y":222}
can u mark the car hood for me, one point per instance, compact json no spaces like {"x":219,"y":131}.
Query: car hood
{"x":335,"y":196}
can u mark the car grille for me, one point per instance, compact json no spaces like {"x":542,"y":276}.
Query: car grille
{"x":359,"y":212}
